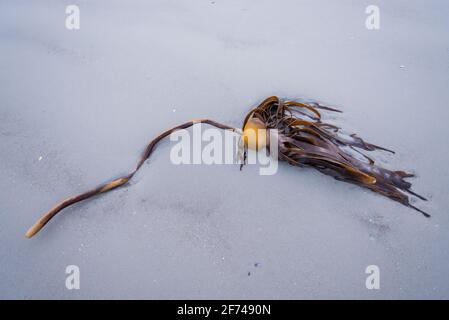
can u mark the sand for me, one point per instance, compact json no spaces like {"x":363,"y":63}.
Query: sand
{"x":77,"y":108}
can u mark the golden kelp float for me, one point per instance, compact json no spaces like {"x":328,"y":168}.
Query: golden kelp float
{"x":303,"y":140}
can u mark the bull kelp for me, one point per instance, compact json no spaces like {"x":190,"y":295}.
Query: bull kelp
{"x":304,"y":140}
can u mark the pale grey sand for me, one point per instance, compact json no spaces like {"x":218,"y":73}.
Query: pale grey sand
{"x":77,"y":107}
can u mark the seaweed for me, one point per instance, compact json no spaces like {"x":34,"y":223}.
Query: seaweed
{"x":303,"y":140}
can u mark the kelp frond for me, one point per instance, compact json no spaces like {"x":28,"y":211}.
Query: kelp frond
{"x":304,"y":140}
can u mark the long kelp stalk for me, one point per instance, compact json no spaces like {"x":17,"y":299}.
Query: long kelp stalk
{"x":35,"y":228}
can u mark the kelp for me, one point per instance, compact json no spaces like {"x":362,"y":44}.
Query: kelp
{"x":303,"y":141}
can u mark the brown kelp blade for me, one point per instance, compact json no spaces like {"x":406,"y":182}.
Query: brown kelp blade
{"x":305,"y":140}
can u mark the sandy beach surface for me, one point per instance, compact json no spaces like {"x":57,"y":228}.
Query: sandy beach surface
{"x":78,"y":106}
